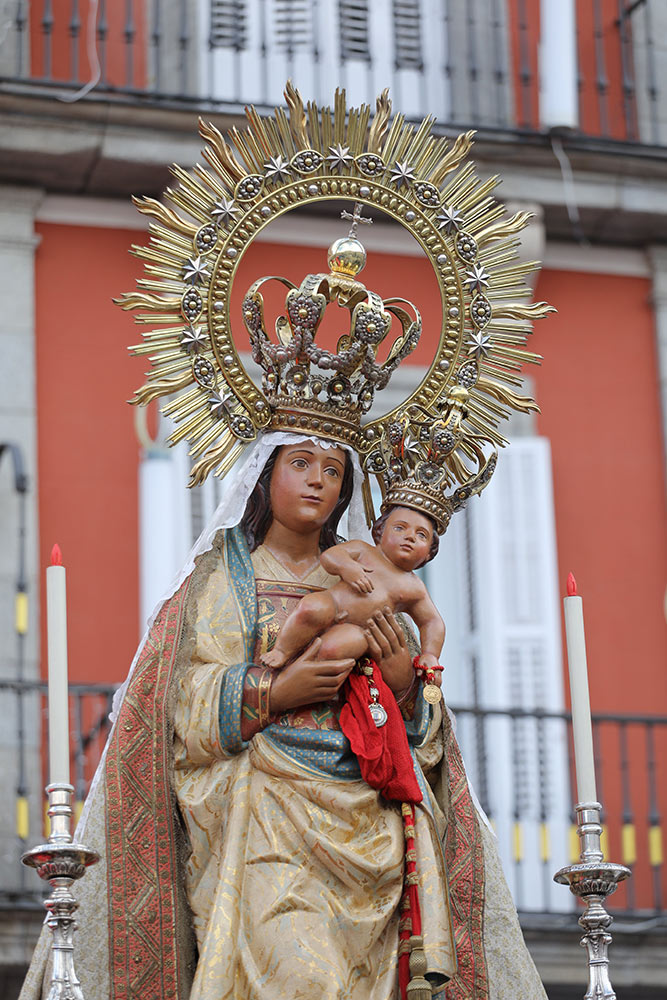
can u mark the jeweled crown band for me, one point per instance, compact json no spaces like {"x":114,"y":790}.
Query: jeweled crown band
{"x":321,"y":422}
{"x":418,"y":497}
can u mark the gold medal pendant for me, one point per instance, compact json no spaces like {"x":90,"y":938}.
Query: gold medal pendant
{"x":432,"y":694}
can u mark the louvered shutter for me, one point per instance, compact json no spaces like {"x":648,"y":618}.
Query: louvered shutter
{"x":229,"y":24}
{"x":164,"y":522}
{"x":293,"y":25}
{"x":353,"y":26}
{"x":253,"y":46}
{"x":408,"y":41}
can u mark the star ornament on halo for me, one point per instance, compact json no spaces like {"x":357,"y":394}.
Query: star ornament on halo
{"x":449,"y":219}
{"x":339,"y":157}
{"x":477,"y":278}
{"x":411,"y":447}
{"x":402,"y":174}
{"x":481,"y":344}
{"x":277,"y":169}
{"x":195,"y":270}
{"x":217,"y":405}
{"x":194,"y":339}
{"x":225,"y":210}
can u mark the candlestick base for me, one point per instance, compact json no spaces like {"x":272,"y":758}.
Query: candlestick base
{"x":592,"y":880}
{"x":60,"y":862}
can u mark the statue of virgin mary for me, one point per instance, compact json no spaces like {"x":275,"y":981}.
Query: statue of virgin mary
{"x":243,"y":855}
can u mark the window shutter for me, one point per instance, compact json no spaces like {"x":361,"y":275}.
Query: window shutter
{"x":353,"y":24}
{"x":229,"y":25}
{"x":293,"y":23}
{"x":408,"y":45}
{"x":164,"y":522}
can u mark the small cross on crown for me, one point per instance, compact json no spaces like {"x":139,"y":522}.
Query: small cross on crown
{"x":356,"y":218}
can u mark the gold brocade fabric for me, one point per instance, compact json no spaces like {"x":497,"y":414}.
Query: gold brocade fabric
{"x":295,"y":877}
{"x":292,"y":874}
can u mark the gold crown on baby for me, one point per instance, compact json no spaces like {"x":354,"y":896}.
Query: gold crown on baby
{"x":420,"y":461}
{"x":310,"y":388}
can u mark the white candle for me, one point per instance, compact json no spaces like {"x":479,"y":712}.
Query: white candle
{"x":56,"y":612}
{"x":582,"y":730}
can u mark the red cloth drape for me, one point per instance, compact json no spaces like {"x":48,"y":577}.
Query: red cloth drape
{"x":383,"y":752}
{"x":385,"y":762}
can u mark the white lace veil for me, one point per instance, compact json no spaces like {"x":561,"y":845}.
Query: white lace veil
{"x":236,"y":489}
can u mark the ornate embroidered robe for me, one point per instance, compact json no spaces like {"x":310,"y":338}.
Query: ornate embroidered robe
{"x":287,"y":866}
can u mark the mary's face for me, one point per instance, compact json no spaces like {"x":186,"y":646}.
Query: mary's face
{"x":305,"y":485}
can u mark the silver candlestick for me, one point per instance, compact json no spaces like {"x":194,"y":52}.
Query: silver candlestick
{"x":593,"y":879}
{"x":60,"y":862}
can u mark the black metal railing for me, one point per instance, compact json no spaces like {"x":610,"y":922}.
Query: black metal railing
{"x":524,"y":777}
{"x":519,"y":762}
{"x":468,"y":64}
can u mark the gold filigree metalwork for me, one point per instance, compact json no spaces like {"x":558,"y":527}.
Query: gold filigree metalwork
{"x":311,"y":155}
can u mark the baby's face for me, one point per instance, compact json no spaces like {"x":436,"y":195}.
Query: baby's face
{"x":406,"y":539}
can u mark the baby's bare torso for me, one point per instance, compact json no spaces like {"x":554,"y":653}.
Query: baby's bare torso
{"x":392,"y":587}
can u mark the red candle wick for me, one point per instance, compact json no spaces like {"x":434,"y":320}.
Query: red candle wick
{"x":56,"y":556}
{"x":571,"y":585}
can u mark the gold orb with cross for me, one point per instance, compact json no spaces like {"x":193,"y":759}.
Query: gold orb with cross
{"x":347,"y":256}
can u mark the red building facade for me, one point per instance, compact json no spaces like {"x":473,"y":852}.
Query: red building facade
{"x":599,"y":190}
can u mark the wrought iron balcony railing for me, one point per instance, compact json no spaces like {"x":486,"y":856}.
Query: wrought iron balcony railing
{"x":519,"y":763}
{"x":467,"y":63}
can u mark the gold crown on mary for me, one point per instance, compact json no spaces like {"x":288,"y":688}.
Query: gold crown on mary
{"x":326,"y":392}
{"x":437,"y":447}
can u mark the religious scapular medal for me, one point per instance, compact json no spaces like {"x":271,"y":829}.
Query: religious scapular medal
{"x":378,"y":712}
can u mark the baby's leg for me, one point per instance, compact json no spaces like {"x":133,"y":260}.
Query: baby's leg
{"x":314,"y":613}
{"x":341,"y":642}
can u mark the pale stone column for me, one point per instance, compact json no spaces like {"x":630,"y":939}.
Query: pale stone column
{"x":18,"y":425}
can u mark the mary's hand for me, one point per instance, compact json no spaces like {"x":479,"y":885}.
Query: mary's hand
{"x":388,"y":647}
{"x":308,"y":680}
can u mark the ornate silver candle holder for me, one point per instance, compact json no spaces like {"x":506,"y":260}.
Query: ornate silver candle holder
{"x":60,"y":862}
{"x":593,"y":879}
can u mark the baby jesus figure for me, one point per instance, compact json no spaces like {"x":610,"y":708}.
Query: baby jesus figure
{"x":372,"y":578}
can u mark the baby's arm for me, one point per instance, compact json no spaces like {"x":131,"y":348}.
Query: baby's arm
{"x":343,"y":561}
{"x":431,"y":627}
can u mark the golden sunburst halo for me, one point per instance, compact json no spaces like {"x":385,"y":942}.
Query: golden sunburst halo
{"x":309,"y":155}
